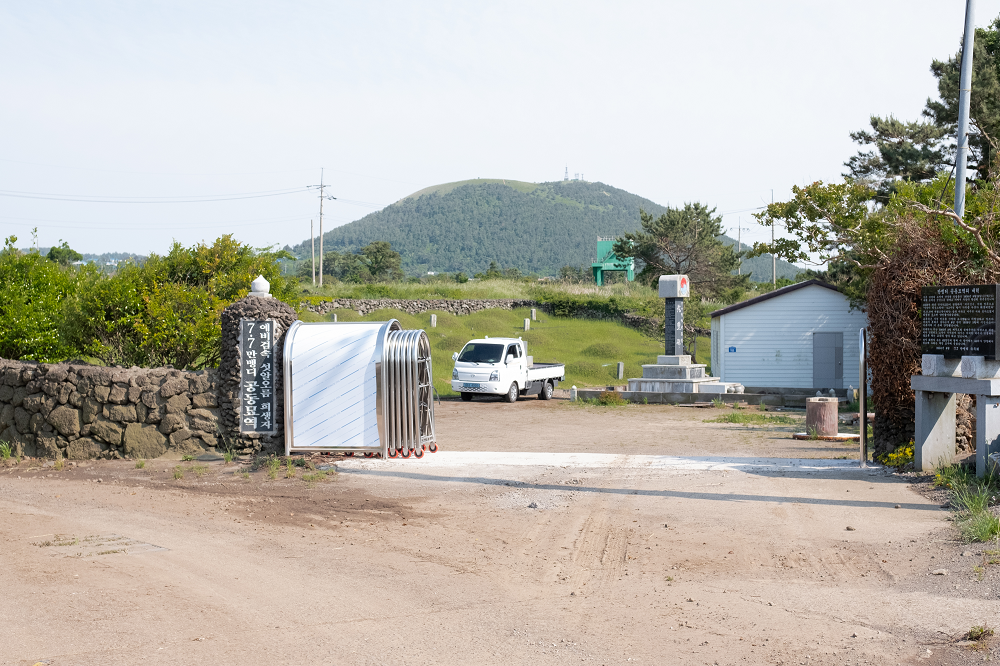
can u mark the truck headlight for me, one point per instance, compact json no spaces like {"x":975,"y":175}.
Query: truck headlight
{"x":454,"y":373}
{"x":495,"y":376}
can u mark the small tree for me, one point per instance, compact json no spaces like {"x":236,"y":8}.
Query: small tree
{"x":63,"y":254}
{"x":684,"y":241}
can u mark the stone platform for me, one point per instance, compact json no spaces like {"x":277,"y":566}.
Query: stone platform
{"x":677,"y":374}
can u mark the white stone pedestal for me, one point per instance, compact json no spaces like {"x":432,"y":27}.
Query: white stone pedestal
{"x":934,"y":436}
{"x":677,"y":374}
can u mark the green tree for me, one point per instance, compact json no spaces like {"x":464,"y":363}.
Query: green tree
{"x":918,"y":151}
{"x":383,"y":263}
{"x":684,"y":241}
{"x":912,"y":151}
{"x":63,"y":254}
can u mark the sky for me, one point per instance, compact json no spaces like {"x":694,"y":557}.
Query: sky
{"x":155,"y":121}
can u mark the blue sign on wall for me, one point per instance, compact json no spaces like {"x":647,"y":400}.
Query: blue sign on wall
{"x":732,"y":349}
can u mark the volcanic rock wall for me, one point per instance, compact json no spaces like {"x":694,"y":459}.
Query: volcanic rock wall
{"x":81,"y":411}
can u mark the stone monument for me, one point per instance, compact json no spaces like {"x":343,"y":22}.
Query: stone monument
{"x":251,"y":368}
{"x":674,"y":372}
{"x":959,"y":327}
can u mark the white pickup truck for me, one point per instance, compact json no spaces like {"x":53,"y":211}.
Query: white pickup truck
{"x":501,"y":366}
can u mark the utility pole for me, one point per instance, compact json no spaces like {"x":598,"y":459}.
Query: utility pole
{"x":739,"y":244}
{"x":774,"y":260}
{"x":312,"y":241}
{"x":321,"y":197}
{"x":964,"y":93}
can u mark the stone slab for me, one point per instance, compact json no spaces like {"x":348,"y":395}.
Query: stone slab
{"x":955,"y":385}
{"x":978,"y":367}
{"x":936,"y":365}
{"x":673,"y":359}
{"x":673,"y":371}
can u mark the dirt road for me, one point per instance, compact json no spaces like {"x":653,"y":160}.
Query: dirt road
{"x":651,"y":554}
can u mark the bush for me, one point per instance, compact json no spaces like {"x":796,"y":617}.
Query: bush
{"x":33,"y":293}
{"x":611,"y":399}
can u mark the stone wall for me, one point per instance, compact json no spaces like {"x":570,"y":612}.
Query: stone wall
{"x":82,"y":411}
{"x":456,"y":307}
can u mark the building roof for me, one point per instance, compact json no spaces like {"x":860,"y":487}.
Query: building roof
{"x":774,"y":294}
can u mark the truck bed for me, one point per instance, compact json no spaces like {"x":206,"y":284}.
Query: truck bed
{"x":546,"y":371}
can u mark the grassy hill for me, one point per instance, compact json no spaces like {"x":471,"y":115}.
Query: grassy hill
{"x":534,"y":227}
{"x":590,"y":349}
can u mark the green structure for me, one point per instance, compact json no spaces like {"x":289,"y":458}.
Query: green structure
{"x":608,"y":261}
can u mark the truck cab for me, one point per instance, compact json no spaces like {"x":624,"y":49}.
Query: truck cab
{"x":501,"y":366}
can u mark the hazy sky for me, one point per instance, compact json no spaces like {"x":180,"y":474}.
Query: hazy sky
{"x":716,"y":102}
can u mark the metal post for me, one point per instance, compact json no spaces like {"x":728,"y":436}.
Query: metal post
{"x":774,"y":260}
{"x":312,"y":241}
{"x":863,"y":396}
{"x":964,"y":93}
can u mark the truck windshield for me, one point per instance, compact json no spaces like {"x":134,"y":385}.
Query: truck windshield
{"x":481,"y":353}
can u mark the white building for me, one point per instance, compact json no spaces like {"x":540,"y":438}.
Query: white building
{"x":801,"y":336}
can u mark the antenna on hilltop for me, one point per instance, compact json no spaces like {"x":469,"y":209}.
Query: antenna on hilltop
{"x":566,"y":177}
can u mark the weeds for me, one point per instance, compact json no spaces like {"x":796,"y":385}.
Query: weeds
{"x":953,"y":476}
{"x":187,"y":457}
{"x":611,"y":399}
{"x":979,"y":632}
{"x":273,"y":465}
{"x":139,"y":464}
{"x":761,"y":406}
{"x":813,"y":432}
{"x":718,"y":403}
{"x":245,"y":476}
{"x":59,"y":464}
{"x":178,"y":473}
{"x":313,"y":477}
{"x":5,"y":450}
{"x":752,"y":418}
{"x":228,"y":455}
{"x":971,"y":498}
{"x":289,"y":469}
{"x":199,"y":470}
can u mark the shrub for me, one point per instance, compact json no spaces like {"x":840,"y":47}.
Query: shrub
{"x":902,"y":456}
{"x":33,"y":293}
{"x":611,"y":399}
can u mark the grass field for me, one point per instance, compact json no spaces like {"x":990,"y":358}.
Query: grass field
{"x":590,"y":349}
{"x":478,"y":289}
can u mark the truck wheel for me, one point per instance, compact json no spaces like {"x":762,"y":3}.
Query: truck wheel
{"x":512,"y":393}
{"x":546,"y":392}
{"x":466,"y":397}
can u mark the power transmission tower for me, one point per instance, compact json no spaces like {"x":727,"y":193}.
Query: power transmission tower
{"x":321,"y":197}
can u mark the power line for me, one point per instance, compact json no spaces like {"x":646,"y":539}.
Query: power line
{"x":150,"y":200}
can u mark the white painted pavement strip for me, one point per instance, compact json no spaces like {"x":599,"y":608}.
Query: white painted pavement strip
{"x":455,"y":459}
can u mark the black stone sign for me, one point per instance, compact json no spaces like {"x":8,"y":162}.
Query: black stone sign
{"x":960,"y":320}
{"x":673,"y":327}
{"x":258,"y":401}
